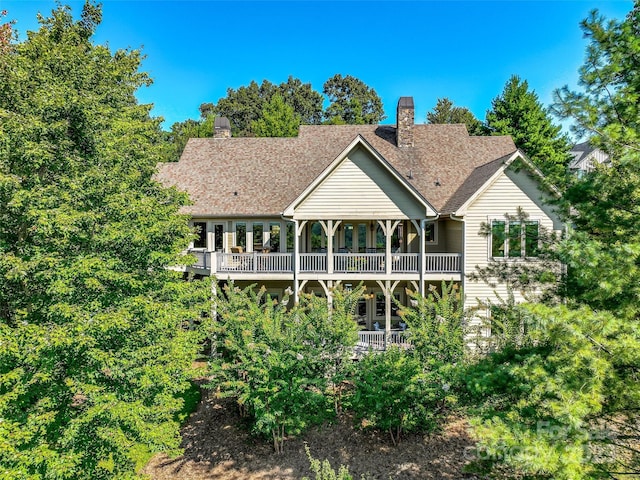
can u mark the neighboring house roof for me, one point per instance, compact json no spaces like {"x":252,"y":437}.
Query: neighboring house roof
{"x":262,"y":176}
{"x":583,"y":155}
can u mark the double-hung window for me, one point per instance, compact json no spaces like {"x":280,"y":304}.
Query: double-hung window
{"x":514,"y":238}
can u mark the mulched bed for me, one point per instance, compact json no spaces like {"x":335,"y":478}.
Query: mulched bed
{"x":218,"y":446}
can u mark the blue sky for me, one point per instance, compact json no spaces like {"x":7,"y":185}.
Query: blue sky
{"x":464,"y":50}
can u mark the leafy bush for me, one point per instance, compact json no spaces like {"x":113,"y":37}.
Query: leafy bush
{"x":279,"y":363}
{"x":393,"y":393}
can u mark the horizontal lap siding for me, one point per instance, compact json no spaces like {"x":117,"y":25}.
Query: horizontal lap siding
{"x":504,"y":196}
{"x":359,"y":188}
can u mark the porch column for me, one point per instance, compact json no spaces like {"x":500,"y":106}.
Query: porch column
{"x":328,"y":230}
{"x":387,"y":247}
{"x":421,"y":260}
{"x":296,"y":261}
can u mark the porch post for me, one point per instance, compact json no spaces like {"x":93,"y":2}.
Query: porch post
{"x":387,"y":247}
{"x":329,"y":232}
{"x":387,"y":310}
{"x":421,"y":261}
{"x":296,"y":262}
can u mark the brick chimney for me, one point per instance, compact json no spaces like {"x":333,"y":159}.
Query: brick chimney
{"x":404,"y":119}
{"x":221,"y":128}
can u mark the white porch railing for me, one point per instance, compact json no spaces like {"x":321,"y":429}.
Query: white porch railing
{"x":443,"y":262}
{"x":254,"y":262}
{"x":313,"y":262}
{"x":404,"y":262}
{"x":317,"y":262}
{"x":375,"y":339}
{"x":358,"y":263}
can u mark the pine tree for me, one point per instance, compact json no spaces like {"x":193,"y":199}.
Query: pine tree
{"x":519,"y":113}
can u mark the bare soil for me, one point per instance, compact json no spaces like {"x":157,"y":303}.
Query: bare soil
{"x":217,"y":445}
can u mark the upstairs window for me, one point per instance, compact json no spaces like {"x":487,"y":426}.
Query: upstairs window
{"x":514,"y":239}
{"x":200,"y":229}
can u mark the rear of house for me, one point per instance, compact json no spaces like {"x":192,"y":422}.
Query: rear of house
{"x":395,"y":207}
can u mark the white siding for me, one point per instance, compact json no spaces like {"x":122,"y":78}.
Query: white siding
{"x":360,"y":188}
{"x":510,"y":191}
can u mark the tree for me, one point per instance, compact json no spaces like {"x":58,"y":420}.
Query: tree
{"x":608,"y":107}
{"x":518,"y":112}
{"x":445,"y":112}
{"x":279,"y":363}
{"x":277,"y":120}
{"x":181,"y":132}
{"x":245,"y":105}
{"x":606,"y":204}
{"x":95,"y":350}
{"x":352,"y":102}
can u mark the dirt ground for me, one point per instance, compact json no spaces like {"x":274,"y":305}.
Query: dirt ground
{"x":217,"y":446}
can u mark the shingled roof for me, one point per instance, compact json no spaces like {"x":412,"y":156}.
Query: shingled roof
{"x":244,"y":177}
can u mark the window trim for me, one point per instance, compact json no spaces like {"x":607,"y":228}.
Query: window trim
{"x":507,"y":239}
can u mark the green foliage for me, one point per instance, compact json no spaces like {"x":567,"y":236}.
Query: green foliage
{"x":519,"y":113}
{"x":279,"y":363}
{"x":393,"y":393}
{"x":606,"y":203}
{"x":323,"y":470}
{"x":556,"y":408}
{"x":277,"y":120}
{"x":445,"y":112}
{"x":95,"y":346}
{"x":352,"y":102}
{"x":608,"y":107}
{"x":246,"y":104}
{"x":437,"y":325}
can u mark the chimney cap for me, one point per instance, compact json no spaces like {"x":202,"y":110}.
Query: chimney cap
{"x":222,"y":123}
{"x":405,"y":102}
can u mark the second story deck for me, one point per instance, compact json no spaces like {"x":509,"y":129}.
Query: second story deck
{"x":358,"y":265}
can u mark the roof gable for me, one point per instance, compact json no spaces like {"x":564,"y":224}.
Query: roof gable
{"x":359,"y":183}
{"x":484,"y":176}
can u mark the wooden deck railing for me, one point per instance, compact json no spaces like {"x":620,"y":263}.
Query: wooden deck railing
{"x":317,"y":262}
{"x":375,"y":339}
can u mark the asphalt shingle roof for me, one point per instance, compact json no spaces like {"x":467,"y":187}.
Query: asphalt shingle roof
{"x":262,"y":176}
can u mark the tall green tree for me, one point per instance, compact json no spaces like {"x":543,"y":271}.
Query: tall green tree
{"x":95,"y":350}
{"x":277,"y":120}
{"x":518,"y":112}
{"x":606,"y":204}
{"x":351,"y":102}
{"x":446,"y":112}
{"x":245,"y":105}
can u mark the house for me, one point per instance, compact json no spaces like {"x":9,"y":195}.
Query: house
{"x":585,"y":158}
{"x":394,"y":206}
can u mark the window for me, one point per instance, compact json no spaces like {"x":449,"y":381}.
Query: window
{"x":218,"y":237}
{"x":241,"y":235}
{"x":430,"y":233}
{"x":258,"y":230}
{"x":274,"y":237}
{"x":200,"y":229}
{"x":514,"y":239}
{"x":291,"y":234}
